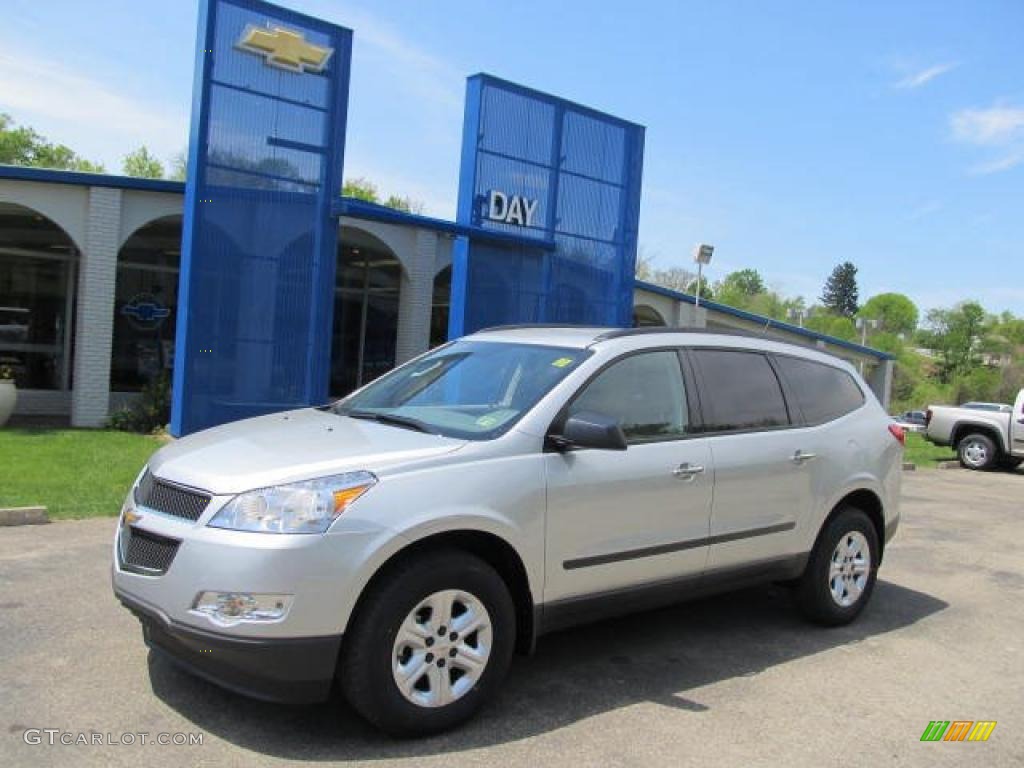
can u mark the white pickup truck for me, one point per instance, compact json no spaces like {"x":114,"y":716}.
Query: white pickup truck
{"x":983,"y":439}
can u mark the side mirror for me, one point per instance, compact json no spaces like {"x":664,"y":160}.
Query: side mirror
{"x":589,"y":429}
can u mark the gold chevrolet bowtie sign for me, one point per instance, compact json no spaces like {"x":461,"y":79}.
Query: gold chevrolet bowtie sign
{"x":284,"y":49}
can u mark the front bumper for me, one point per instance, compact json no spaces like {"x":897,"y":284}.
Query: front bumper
{"x":291,"y":670}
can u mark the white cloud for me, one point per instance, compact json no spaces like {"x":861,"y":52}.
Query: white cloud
{"x":923,"y":76}
{"x":85,"y":113}
{"x":991,"y":126}
{"x":999,"y":128}
{"x":1004,"y":163}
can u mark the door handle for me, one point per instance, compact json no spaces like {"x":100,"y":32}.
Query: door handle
{"x":688,"y":471}
{"x":800,"y":456}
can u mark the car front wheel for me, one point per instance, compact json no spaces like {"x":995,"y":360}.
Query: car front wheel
{"x":431,"y":644}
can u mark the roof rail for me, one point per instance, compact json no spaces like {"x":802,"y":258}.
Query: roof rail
{"x":530,"y":326}
{"x":617,"y":333}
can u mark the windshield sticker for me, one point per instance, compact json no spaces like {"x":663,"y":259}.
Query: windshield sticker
{"x":495,"y":418}
{"x":562,"y":362}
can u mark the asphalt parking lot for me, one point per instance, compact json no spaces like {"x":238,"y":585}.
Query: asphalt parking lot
{"x":739,"y":680}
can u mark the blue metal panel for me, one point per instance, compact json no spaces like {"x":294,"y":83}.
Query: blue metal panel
{"x":260,"y":242}
{"x":580,"y":170}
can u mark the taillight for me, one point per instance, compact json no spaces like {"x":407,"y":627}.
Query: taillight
{"x":899,"y":433}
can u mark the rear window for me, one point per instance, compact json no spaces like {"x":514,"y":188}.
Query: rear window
{"x":741,"y":391}
{"x":822,"y":392}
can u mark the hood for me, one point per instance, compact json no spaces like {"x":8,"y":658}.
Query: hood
{"x":291,"y":446}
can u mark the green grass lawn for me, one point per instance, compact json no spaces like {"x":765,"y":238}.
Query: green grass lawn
{"x":924,"y":454}
{"x":86,"y":473}
{"x":72,"y":472}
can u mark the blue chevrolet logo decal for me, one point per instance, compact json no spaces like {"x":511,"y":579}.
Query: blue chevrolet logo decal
{"x":145,"y":311}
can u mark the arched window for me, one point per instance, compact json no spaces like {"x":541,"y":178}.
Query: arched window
{"x":38,"y":264}
{"x":644,"y":317}
{"x":367,"y":287}
{"x":440,"y":307}
{"x":145,"y":305}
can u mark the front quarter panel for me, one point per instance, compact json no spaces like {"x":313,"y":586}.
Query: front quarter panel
{"x":488,"y":489}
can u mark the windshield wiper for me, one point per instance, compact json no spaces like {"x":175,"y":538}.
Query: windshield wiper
{"x":390,"y":418}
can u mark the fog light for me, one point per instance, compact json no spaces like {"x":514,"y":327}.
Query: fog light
{"x":229,"y":608}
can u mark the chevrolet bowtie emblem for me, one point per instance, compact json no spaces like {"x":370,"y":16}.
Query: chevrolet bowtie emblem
{"x":284,"y":49}
{"x":131,"y":518}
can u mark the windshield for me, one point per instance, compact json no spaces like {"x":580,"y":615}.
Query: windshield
{"x":467,"y":389}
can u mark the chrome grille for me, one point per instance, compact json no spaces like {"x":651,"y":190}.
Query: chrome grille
{"x":170,"y":499}
{"x":146,"y":552}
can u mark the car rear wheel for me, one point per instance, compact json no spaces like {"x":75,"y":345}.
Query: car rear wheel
{"x":840,"y":574}
{"x":978,"y":452}
{"x":431,"y":644}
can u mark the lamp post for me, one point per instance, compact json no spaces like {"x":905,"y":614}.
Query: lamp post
{"x":798,"y":315}
{"x":701,"y":255}
{"x":863,"y":323}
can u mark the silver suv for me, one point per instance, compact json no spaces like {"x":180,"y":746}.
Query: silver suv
{"x":406,"y":540}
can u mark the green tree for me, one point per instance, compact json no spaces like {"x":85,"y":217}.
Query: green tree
{"x":1010,"y":328}
{"x":832,"y":325}
{"x":20,"y":145}
{"x":841,"y":294}
{"x":895,"y":312}
{"x":956,"y":335}
{"x":142,"y":164}
{"x":745,"y":281}
{"x":738,"y":289}
{"x":361,"y":188}
{"x":707,"y":291}
{"x":979,"y":383}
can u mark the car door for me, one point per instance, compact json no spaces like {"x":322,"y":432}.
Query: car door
{"x":1017,"y":426}
{"x":762,"y":474}
{"x":617,"y":519}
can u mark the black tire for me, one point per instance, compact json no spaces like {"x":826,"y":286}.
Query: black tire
{"x":366,"y":665}
{"x":977,"y":451}
{"x":814,"y":593}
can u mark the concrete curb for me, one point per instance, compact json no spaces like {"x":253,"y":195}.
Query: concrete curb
{"x":949,"y":465}
{"x":23,"y":516}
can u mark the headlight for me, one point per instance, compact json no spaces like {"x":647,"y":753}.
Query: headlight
{"x":308,"y":507}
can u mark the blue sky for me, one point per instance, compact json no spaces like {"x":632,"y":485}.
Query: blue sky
{"x":792,"y":135}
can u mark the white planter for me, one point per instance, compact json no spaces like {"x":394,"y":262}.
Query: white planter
{"x":8,"y":399}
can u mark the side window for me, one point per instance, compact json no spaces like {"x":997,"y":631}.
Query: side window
{"x":823,"y":393}
{"x":742,"y":391}
{"x":645,"y":392}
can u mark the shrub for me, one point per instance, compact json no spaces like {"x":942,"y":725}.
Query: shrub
{"x":150,"y":412}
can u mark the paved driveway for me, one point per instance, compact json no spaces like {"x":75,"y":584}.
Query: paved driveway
{"x":739,"y":680}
